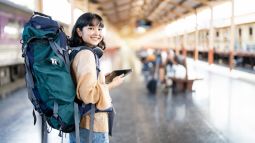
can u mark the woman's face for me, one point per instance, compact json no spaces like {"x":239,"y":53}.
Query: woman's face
{"x":91,"y":34}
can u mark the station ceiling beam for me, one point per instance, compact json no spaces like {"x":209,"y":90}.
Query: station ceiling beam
{"x":121,"y":13}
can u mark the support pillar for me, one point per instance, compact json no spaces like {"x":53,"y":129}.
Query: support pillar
{"x":72,"y":4}
{"x":232,"y":38}
{"x":211,"y":40}
{"x":177,"y":44}
{"x":196,"y":41}
{"x":184,"y":44}
{"x":39,"y":5}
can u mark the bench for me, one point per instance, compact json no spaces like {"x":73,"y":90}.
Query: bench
{"x":183,"y":84}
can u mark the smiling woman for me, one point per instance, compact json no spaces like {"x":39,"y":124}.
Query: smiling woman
{"x":88,"y":30}
{"x":87,"y":34}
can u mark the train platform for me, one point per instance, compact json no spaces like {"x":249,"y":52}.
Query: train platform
{"x":8,"y":88}
{"x":219,"y":110}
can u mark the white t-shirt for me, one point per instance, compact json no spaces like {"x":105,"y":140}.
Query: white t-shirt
{"x":180,"y":71}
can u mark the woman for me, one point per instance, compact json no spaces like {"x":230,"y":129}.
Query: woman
{"x":91,"y":88}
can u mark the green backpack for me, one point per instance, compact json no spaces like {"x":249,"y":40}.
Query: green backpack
{"x":50,"y":85}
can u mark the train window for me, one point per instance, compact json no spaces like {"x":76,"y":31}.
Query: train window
{"x":250,"y":31}
{"x":3,"y":72}
{"x":11,"y":30}
{"x":240,"y":32}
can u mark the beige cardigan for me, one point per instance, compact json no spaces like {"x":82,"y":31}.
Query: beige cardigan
{"x":91,"y":89}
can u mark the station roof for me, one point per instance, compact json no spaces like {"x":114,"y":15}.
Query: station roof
{"x":128,"y":13}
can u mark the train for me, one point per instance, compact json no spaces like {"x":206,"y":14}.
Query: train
{"x":12,"y":20}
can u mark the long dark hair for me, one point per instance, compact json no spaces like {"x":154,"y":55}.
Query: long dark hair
{"x":86,"y":19}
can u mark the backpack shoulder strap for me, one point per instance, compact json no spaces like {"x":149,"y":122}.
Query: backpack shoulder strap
{"x":76,"y":50}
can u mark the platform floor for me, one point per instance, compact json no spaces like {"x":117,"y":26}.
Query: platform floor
{"x":220,"y":110}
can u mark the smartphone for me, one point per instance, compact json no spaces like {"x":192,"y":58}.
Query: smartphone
{"x":115,"y":73}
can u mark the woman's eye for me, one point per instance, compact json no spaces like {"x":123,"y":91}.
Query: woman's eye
{"x":100,"y":29}
{"x":90,"y":28}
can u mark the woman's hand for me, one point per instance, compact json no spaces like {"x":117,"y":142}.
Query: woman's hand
{"x":116,"y":81}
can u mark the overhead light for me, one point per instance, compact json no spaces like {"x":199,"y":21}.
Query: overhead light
{"x":142,"y":25}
